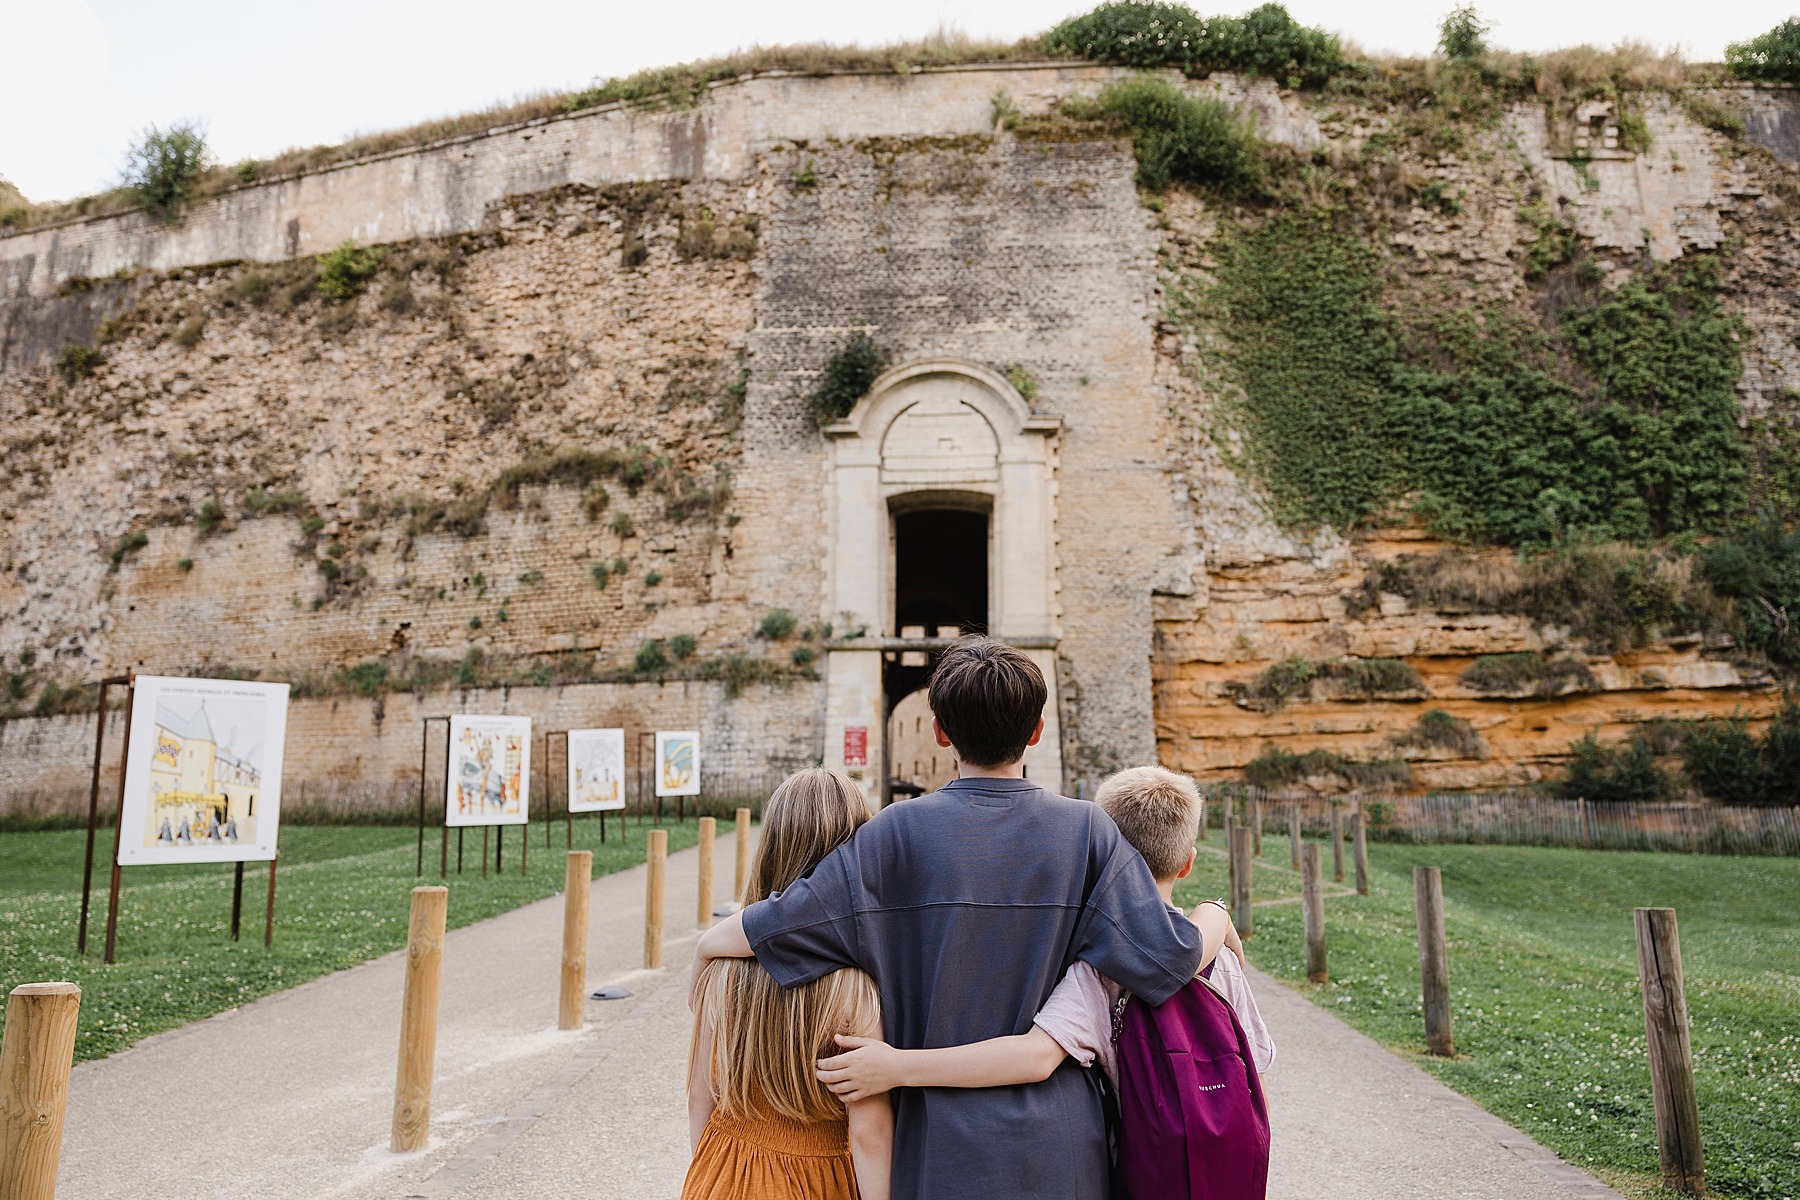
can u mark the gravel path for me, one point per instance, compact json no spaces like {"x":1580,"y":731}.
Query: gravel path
{"x":290,"y":1097}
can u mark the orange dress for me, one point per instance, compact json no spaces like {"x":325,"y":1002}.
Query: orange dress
{"x":771,"y":1158}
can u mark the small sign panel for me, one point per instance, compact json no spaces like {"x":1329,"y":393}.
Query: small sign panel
{"x":489,"y":781}
{"x":678,"y":763}
{"x":596,"y":770}
{"x":856,"y":745}
{"x":203,"y":771}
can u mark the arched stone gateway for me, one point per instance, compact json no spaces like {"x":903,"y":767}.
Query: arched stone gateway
{"x":940,"y":451}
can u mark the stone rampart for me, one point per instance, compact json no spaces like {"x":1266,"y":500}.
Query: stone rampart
{"x":447,"y":187}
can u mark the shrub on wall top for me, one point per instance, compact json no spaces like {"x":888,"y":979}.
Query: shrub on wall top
{"x":163,"y":166}
{"x":1772,"y":57}
{"x":1265,"y":41}
{"x":1132,"y":33}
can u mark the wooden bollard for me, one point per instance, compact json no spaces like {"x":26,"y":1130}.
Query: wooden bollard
{"x":657,"y":863}
{"x":419,"y":1019}
{"x":1671,"y":1054}
{"x":1359,"y":843}
{"x":1231,"y":871}
{"x":571,"y":1008}
{"x":39,"y":1049}
{"x":1241,"y":894}
{"x":1294,"y":834}
{"x":1434,"y":960}
{"x":703,"y":909}
{"x":743,"y":855}
{"x":1256,"y":825}
{"x":1337,"y":842}
{"x":1312,"y":903}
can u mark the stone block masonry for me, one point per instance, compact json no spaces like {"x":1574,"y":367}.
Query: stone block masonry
{"x":446,"y":187}
{"x":1003,"y":251}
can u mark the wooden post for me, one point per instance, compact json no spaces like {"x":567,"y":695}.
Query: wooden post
{"x":1359,"y":841}
{"x":1312,"y":900}
{"x":1434,"y":961}
{"x":1203,"y":817}
{"x":1294,"y":834}
{"x":419,"y":1019}
{"x":1229,"y":817}
{"x":570,"y":1009}
{"x":1256,"y":824}
{"x":1337,"y":843}
{"x":39,"y":1049}
{"x":1671,"y":1055}
{"x":743,"y":855}
{"x":269,"y":912}
{"x":703,"y":909}
{"x":657,"y":862}
{"x":1241,"y":862}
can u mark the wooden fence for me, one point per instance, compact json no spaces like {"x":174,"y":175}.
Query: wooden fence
{"x":1530,"y":819}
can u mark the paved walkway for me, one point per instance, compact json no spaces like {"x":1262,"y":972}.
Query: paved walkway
{"x":290,"y":1097}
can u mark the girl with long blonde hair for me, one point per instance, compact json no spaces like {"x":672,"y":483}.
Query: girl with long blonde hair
{"x":761,"y":1125}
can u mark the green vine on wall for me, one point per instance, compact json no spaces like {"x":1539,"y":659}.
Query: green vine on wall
{"x":1613,"y":418}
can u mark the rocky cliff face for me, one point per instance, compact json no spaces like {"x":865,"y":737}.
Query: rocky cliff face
{"x":1451,"y":226}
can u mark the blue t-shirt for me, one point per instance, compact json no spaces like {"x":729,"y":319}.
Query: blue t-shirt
{"x":966,"y":906}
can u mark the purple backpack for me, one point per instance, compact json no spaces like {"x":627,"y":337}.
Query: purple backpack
{"x":1192,"y":1119}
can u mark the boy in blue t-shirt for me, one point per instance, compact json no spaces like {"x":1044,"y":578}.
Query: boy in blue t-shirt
{"x":967,"y":906}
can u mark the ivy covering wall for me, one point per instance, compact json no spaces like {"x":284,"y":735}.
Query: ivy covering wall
{"x":1614,"y":417}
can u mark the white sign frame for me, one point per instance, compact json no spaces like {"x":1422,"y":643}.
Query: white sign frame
{"x":174,"y":747}
{"x":591,"y":753}
{"x":455,"y":815}
{"x":669,"y":742}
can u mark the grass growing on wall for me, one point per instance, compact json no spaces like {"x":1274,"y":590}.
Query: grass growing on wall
{"x":342,"y":897}
{"x":1548,"y":1018}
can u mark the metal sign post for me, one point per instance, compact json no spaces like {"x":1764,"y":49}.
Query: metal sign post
{"x":424,"y":749}
{"x":87,"y":867}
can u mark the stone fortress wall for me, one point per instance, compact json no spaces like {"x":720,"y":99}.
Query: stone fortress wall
{"x":555,"y":328}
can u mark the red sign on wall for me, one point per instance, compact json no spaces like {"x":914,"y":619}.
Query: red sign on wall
{"x":856,"y":745}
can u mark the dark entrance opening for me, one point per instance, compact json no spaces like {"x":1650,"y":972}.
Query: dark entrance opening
{"x":940,"y":571}
{"x":940,"y":590}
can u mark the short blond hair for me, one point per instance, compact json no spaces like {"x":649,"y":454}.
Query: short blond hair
{"x":1158,"y":811}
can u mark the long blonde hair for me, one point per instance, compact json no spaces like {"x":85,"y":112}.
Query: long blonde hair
{"x":765,"y":1039}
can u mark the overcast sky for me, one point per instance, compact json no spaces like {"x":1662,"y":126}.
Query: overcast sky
{"x":79,"y":80}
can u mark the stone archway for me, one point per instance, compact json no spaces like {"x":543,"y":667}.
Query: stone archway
{"x":934,"y":434}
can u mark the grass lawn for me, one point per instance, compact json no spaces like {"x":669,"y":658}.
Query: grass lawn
{"x":1543,"y":970}
{"x":341,"y":899}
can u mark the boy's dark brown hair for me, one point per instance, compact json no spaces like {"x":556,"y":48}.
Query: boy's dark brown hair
{"x":988,"y":698}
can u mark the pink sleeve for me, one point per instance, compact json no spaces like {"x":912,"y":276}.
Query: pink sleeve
{"x":1078,"y":1014}
{"x":1229,"y":978}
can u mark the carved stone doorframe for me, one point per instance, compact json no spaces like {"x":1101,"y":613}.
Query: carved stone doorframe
{"x":935,"y":432}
